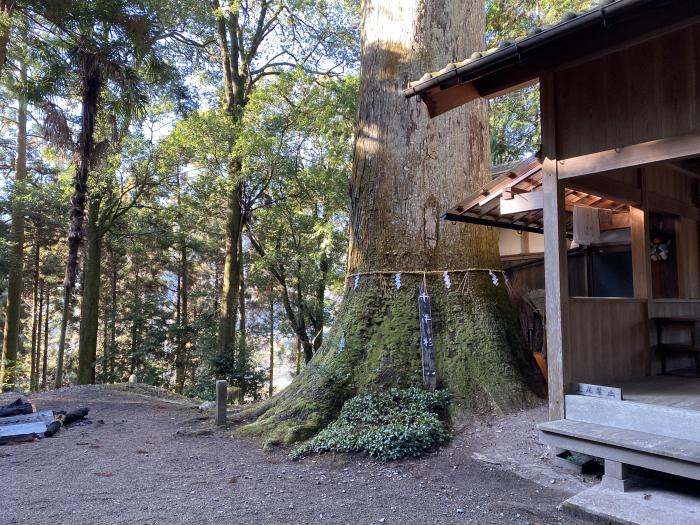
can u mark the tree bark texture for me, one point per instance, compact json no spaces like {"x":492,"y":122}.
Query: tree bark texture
{"x":407,"y":170}
{"x":113,"y":318}
{"x":182,"y":319}
{"x":91,"y":84}
{"x":271,"y":320}
{"x":65,"y":312}
{"x":89,"y":307}
{"x":136,"y":324}
{"x":36,"y":354}
{"x":7,"y":7}
{"x":10,"y":342}
{"x":36,"y":320}
{"x":231,"y":281}
{"x":237,"y":53}
{"x":243,"y":350}
{"x":45,"y":361}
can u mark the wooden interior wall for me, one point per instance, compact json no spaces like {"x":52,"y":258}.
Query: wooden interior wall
{"x":675,"y":190}
{"x":664,"y":181}
{"x":607,"y":340}
{"x":688,"y":259}
{"x":646,"y":92}
{"x":673,"y":308}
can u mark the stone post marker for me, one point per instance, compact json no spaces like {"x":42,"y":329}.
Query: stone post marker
{"x":133,"y":378}
{"x":221,"y":400}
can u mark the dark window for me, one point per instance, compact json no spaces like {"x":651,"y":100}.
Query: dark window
{"x":611,"y":273}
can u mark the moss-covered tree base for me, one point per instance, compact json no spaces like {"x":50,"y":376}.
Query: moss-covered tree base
{"x":375,"y":344}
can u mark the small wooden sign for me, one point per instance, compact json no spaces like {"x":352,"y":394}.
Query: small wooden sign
{"x":426,"y":339}
{"x":606,"y":392}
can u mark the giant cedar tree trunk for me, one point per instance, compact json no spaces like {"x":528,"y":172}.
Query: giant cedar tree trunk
{"x":89,"y":307}
{"x":408,"y":169}
{"x":10,"y":342}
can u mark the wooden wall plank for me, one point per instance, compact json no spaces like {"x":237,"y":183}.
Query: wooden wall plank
{"x":688,"y":269}
{"x":636,"y":95}
{"x":608,"y":342}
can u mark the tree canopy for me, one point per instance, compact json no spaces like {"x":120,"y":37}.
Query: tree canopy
{"x":184,"y":211}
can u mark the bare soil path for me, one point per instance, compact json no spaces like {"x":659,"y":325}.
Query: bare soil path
{"x":155,"y":460}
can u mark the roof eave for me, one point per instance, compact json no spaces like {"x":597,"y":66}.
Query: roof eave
{"x":523,"y":62}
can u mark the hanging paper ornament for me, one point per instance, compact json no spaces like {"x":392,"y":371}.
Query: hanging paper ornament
{"x":397,"y":280}
{"x":448,"y":282}
{"x":357,"y":282}
{"x":494,"y":278}
{"x":660,"y":249}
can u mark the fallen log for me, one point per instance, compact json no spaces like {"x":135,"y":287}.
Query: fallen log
{"x":64,"y":418}
{"x":54,"y":426}
{"x":16,"y":408}
{"x":75,"y":415}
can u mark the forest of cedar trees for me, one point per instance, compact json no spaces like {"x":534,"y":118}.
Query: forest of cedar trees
{"x":185,"y":184}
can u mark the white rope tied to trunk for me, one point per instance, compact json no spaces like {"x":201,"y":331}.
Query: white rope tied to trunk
{"x":492,"y":272}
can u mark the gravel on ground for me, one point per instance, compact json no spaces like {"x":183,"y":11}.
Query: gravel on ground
{"x":147,"y":457}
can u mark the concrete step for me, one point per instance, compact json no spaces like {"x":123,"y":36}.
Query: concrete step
{"x":661,"y":420}
{"x":648,"y":443}
{"x":647,"y":504}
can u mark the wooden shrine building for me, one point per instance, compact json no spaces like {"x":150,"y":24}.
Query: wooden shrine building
{"x":620,"y":118}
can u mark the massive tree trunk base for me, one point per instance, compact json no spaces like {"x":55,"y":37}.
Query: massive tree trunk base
{"x":375,"y":344}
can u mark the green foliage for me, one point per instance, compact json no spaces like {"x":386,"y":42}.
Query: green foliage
{"x":249,"y":380}
{"x":388,"y":425}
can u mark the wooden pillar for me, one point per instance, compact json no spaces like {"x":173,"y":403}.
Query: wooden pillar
{"x":641,"y":262}
{"x":641,"y":267}
{"x":221,"y":400}
{"x":555,"y":257}
{"x":639,"y":233}
{"x":524,"y":242}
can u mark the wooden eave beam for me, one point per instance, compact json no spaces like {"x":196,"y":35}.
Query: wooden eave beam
{"x":497,"y":191}
{"x":607,"y":188}
{"x":662,"y":150}
{"x":493,"y":189}
{"x":487,"y":222}
{"x":442,"y":99}
{"x":618,"y":191}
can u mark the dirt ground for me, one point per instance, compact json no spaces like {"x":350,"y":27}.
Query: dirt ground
{"x":148,"y":458}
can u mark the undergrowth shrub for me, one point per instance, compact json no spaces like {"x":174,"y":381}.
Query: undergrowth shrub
{"x":388,"y":425}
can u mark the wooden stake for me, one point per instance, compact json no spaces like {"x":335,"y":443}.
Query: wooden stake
{"x":221,"y":399}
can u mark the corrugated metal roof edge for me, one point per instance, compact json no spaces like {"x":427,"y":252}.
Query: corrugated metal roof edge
{"x":512,"y":53}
